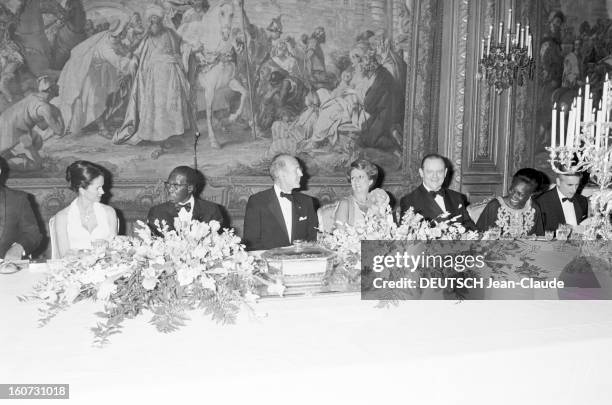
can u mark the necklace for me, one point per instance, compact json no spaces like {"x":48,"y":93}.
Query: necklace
{"x":86,"y":212}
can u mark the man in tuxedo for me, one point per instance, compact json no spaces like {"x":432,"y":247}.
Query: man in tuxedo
{"x":562,"y":205}
{"x":430,"y":199}
{"x":19,"y":231}
{"x":181,"y":184}
{"x":278,"y":216}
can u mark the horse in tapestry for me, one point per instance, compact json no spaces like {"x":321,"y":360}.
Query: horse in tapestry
{"x":212,"y":62}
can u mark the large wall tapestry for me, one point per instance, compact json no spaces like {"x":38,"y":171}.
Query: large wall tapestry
{"x":575,"y":43}
{"x":142,"y":86}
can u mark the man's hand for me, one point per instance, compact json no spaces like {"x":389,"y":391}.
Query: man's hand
{"x":15,"y":252}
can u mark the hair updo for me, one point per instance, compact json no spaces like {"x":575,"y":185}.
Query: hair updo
{"x":368,"y":167}
{"x":81,"y":173}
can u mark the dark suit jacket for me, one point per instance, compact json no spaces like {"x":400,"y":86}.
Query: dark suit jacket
{"x":203,"y":211}
{"x":552,"y":212}
{"x":423,"y":203}
{"x":17,"y":221}
{"x":264,"y":226}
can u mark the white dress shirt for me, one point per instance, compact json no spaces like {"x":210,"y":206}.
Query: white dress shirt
{"x":439,"y":199}
{"x":183,"y":213}
{"x":568,"y":209}
{"x":286,"y":208}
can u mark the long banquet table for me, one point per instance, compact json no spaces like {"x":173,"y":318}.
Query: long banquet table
{"x":328,"y":348}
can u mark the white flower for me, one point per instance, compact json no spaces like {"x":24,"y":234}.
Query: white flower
{"x":208,"y":283}
{"x":106,"y":288}
{"x":72,"y":291}
{"x":214,"y":225}
{"x":228,"y":265}
{"x":149,"y":283}
{"x":186,"y":275}
{"x":159,"y":260}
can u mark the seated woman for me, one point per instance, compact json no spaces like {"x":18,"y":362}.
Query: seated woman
{"x":85,"y":221}
{"x":516,"y":214}
{"x":352,"y":209}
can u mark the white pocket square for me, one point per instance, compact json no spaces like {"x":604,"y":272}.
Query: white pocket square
{"x":302,"y":218}
{"x":460,"y":205}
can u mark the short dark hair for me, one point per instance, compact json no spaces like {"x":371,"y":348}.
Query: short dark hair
{"x":81,"y":173}
{"x":433,"y":156}
{"x":365,"y":165}
{"x":529,"y":176}
{"x":188,"y":172}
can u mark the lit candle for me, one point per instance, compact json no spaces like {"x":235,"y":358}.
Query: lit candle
{"x":529,"y":45}
{"x":587,"y":90}
{"x":600,"y":120}
{"x":606,"y":130}
{"x":507,"y":43}
{"x":596,"y":132}
{"x":482,"y":49}
{"x":553,"y":127}
{"x":562,"y":128}
{"x":604,"y":98}
{"x":518,"y":33}
{"x":522,"y":37}
{"x":501,"y":29}
{"x":571,"y":126}
{"x":510,"y":18}
{"x":588,"y":107}
{"x":578,"y":111}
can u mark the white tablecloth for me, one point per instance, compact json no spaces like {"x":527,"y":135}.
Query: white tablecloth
{"x":322,"y":349}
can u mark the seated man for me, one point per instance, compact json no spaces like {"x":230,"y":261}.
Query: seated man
{"x":181,"y":184}
{"x":562,"y":205}
{"x":277,"y":216}
{"x":19,"y":231}
{"x":431,"y":200}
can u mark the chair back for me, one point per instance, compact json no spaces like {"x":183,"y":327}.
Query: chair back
{"x":53,"y":238}
{"x":327,"y":216}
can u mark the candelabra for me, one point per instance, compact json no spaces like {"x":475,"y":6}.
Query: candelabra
{"x":508,"y":61}
{"x":584,"y":146}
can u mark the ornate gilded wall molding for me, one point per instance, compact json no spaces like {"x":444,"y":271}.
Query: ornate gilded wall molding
{"x":459,"y":100}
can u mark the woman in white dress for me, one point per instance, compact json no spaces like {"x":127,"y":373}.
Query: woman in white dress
{"x":85,"y":222}
{"x":351,"y":210}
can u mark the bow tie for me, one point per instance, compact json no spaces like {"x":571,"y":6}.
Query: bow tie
{"x":564,"y":199}
{"x":288,"y":196}
{"x":187,"y":207}
{"x":435,"y":193}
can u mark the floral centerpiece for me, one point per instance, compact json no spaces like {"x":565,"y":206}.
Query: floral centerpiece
{"x":346,"y":239}
{"x":190,"y":267}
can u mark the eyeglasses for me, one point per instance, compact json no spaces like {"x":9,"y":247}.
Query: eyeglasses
{"x":174,"y":185}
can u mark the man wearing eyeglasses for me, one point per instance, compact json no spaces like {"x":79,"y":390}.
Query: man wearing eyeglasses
{"x":180,"y":186}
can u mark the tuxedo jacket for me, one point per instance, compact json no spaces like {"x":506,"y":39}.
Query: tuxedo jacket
{"x":423,"y":203}
{"x":17,"y":221}
{"x":552,"y":212}
{"x":203,"y":211}
{"x":264,"y":225}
